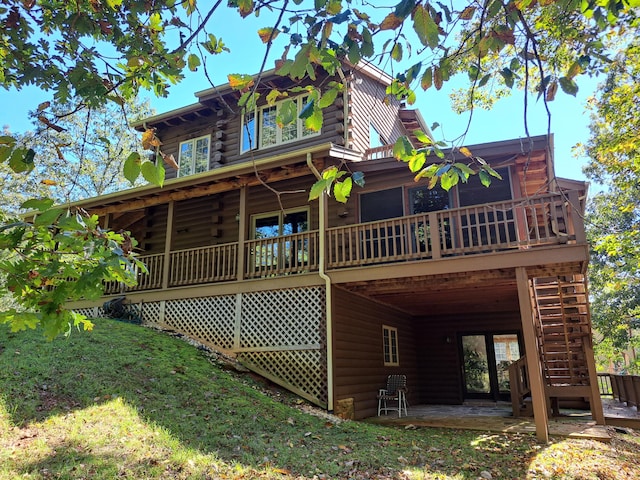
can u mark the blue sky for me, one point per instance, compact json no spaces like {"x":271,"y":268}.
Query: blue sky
{"x":569,"y":121}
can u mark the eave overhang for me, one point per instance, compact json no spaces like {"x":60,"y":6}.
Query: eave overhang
{"x":221,"y":179}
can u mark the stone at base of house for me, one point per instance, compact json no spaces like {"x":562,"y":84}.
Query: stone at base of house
{"x":344,"y":409}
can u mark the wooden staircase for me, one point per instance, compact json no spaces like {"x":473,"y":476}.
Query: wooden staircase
{"x":564,"y":327}
{"x":563,"y":324}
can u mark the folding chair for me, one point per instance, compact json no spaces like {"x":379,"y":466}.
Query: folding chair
{"x":395,"y":392}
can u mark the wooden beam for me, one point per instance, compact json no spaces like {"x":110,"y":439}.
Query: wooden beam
{"x":201,"y":191}
{"x":534,"y":369}
{"x":596,"y":402}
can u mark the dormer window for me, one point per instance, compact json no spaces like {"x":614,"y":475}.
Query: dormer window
{"x":193,"y":156}
{"x":260,"y":128}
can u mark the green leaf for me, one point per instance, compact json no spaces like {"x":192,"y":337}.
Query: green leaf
{"x":21,"y":160}
{"x":152,"y":173}
{"x":425,"y":27}
{"x":354,"y":53}
{"x":465,"y":170}
{"x":449,"y":179}
{"x":487,"y":168}
{"x":287,"y":112}
{"x":314,"y":121}
{"x":155,"y":22}
{"x":245,"y":7}
{"x":367,"y":47}
{"x":423,"y":137}
{"x":40,"y":204}
{"x":404,"y":8}
{"x":402,"y":149}
{"x":48,"y":217}
{"x":508,"y":77}
{"x":328,"y":98}
{"x":485,"y":179}
{"x":7,"y":140}
{"x":317,"y":189}
{"x":568,"y":85}
{"x":131,"y":168}
{"x":268,"y":34}
{"x":194,"y":62}
{"x":342,"y":190}
{"x":396,"y":52}
{"x":427,"y":79}
{"x":239,"y":81}
{"x":483,"y":81}
{"x":417,"y":161}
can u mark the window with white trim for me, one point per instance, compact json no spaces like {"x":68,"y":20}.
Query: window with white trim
{"x":390,"y":346}
{"x":193,"y":156}
{"x":260,"y":128}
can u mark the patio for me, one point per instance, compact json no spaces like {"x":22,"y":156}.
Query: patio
{"x":497,"y":417}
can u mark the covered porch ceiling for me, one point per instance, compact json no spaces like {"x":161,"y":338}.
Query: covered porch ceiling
{"x":493,"y":291}
{"x":489,"y":291}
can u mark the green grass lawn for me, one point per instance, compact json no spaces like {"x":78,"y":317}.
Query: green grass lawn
{"x":128,"y":402}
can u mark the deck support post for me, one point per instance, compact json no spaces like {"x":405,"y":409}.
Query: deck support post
{"x":534,"y":369}
{"x":595,"y":402}
{"x":166,"y":263}
{"x":242,"y":233}
{"x":434,"y":234}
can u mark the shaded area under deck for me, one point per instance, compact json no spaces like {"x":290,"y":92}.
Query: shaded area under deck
{"x":497,"y":417}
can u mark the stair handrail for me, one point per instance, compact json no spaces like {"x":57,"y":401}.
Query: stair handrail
{"x":518,"y":384}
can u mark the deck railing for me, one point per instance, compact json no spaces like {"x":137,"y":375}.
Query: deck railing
{"x":509,"y":225}
{"x":626,"y":389}
{"x":514,"y":224}
{"x":148,"y":280}
{"x":285,"y":255}
{"x":376,"y":153}
{"x":605,"y":386}
{"x":518,"y":385}
{"x":214,"y":263}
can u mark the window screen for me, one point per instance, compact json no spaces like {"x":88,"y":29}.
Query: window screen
{"x":381,"y":205}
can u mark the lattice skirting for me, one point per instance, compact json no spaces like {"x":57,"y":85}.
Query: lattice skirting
{"x":298,"y":369}
{"x":280,"y":334}
{"x":211,"y":319}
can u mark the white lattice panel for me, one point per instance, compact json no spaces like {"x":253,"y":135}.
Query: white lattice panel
{"x":304,"y":370}
{"x":282,"y":318}
{"x":209,"y":318}
{"x":151,"y":313}
{"x":89,"y":312}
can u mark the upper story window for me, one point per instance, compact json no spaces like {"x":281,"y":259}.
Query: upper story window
{"x":260,"y":128}
{"x":193,"y":156}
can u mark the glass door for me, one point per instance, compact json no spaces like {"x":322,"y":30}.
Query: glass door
{"x":485,"y":363}
{"x":477,"y":381}
{"x":282,"y":251}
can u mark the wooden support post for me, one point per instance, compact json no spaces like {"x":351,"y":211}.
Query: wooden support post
{"x":595,"y":402}
{"x":575,"y":219}
{"x":242,"y":233}
{"x":434,"y":234}
{"x":166,"y":264}
{"x":534,"y":369}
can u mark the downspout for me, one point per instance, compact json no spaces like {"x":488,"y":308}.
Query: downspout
{"x":322,"y":226}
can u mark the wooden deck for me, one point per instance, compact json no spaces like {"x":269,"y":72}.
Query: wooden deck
{"x":510,"y":226}
{"x":497,"y":417}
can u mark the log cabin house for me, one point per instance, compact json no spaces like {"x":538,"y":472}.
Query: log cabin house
{"x":327,"y":299}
